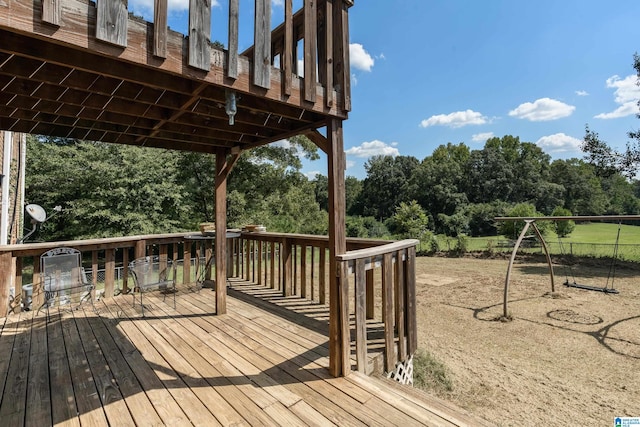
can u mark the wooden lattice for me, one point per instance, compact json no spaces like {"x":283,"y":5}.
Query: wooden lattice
{"x":403,"y":372}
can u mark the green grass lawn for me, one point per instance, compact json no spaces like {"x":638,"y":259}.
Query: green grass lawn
{"x":588,"y":239}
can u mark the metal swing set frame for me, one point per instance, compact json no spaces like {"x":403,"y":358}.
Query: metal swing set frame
{"x":531,"y":222}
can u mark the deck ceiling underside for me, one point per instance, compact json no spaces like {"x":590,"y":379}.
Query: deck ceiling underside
{"x":47,"y":88}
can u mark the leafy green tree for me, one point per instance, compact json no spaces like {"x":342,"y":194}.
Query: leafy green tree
{"x":105,"y":190}
{"x":388,"y":183}
{"x":512,"y":229}
{"x":409,"y":221}
{"x":583,"y":194}
{"x":565,"y":227}
{"x":439,"y":184}
{"x":608,"y":160}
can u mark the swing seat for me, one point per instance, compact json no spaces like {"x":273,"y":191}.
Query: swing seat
{"x":591,"y":288}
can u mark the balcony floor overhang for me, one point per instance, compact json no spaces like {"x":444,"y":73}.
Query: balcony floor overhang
{"x":63,"y":82}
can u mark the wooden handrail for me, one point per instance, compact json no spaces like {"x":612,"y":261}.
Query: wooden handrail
{"x":378,"y":250}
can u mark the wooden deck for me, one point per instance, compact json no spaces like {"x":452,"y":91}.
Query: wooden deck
{"x":184,"y":366}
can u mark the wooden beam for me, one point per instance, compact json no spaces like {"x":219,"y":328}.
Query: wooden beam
{"x":327,"y":64}
{"x":111,"y":25}
{"x":310,"y":54}
{"x":221,"y":234}
{"x":262,"y":45}
{"x":232,"y":59}
{"x":200,"y":34}
{"x":160,"y":28}
{"x":339,"y":348}
{"x":318,"y":139}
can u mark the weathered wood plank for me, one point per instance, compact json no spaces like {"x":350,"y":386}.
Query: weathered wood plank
{"x":322,"y":282}
{"x":90,"y":409}
{"x":63,"y":402}
{"x":125,"y":271}
{"x":142,"y":410}
{"x":341,"y":52}
{"x":13,"y":402}
{"x":200,"y":34}
{"x":51,"y":12}
{"x":361,"y":321}
{"x":310,"y":53}
{"x":287,"y":53}
{"x":111,"y":26}
{"x":387,"y":310}
{"x":399,"y":300}
{"x":111,"y":399}
{"x":232,"y":58}
{"x":262,"y":44}
{"x":260,"y":267}
{"x":38,"y":407}
{"x":160,"y":28}
{"x":328,"y":53}
{"x":272,"y":270}
{"x":412,"y":321}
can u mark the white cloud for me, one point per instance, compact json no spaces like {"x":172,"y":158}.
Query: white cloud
{"x":373,"y":148}
{"x":145,"y":7}
{"x":627,"y":94}
{"x":482,"y":137}
{"x":381,"y":56}
{"x":455,"y":120}
{"x":312,"y":174}
{"x":350,"y":164}
{"x":542,"y":110}
{"x":278,"y":3}
{"x":359,"y":57}
{"x":558,"y":143}
{"x":582,"y":93}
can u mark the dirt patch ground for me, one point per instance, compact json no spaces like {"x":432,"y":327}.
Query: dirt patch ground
{"x":572,"y":360}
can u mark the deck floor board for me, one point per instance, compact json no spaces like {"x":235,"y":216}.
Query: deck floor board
{"x":187,"y":366}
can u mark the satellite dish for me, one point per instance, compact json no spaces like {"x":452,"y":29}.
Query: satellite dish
{"x":36,"y":212}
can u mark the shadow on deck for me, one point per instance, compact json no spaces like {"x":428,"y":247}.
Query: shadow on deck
{"x":263,"y":363}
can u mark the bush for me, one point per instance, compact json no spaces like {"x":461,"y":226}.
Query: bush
{"x":462,"y":244}
{"x":430,"y":374}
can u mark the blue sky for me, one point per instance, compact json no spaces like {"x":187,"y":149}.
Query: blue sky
{"x":429,"y":72}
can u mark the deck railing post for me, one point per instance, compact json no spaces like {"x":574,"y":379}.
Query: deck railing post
{"x":6,"y":276}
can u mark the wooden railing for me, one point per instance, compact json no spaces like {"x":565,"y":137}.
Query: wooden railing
{"x":378,"y":277}
{"x":383,"y":291}
{"x":108,"y":255}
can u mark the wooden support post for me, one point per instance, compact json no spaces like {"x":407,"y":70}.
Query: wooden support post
{"x":260,"y":262}
{"x":111,"y":22}
{"x":410,"y":298}
{"x":186,"y":262}
{"x":322,"y":282}
{"x":94,"y":272}
{"x":17,"y":284}
{"x":125,"y":270}
{"x":140,"y":250}
{"x":303,"y":271}
{"x":109,"y":272}
{"x":342,"y":68}
{"x":6,"y":273}
{"x":339,"y":347}
{"x":273,"y":265}
{"x":287,"y":285}
{"x":221,"y":227}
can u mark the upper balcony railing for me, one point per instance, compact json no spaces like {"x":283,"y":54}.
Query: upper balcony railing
{"x":378,"y":279}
